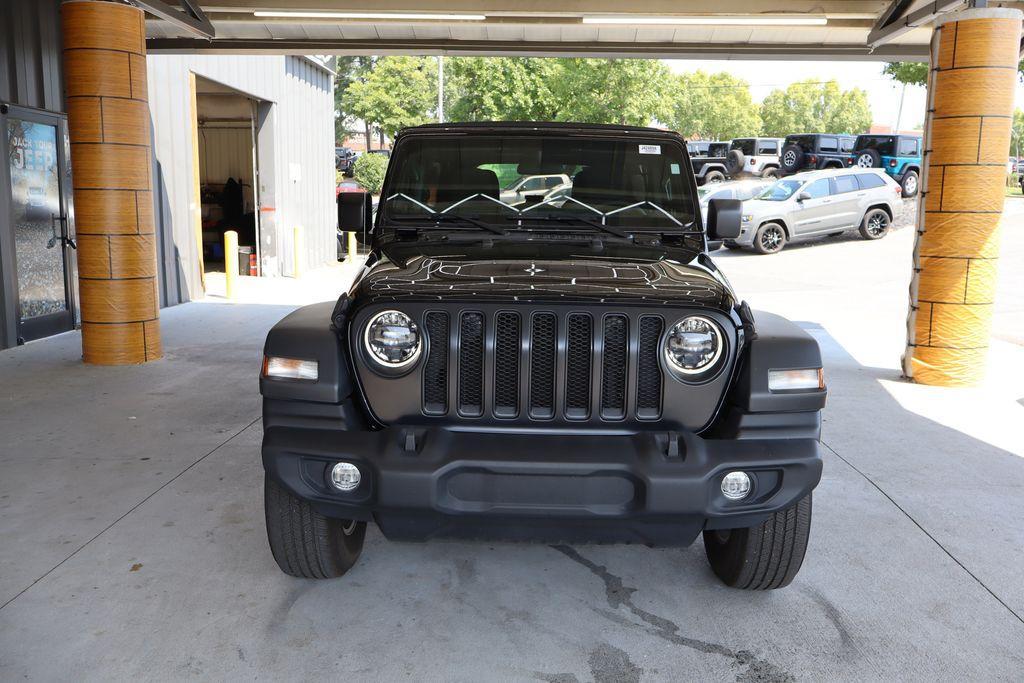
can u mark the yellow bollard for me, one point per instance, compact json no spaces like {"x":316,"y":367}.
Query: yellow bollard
{"x":230,"y":263}
{"x":297,"y":252}
{"x":352,"y":247}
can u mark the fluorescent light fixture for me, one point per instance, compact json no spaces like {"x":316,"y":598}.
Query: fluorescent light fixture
{"x":408,"y":16}
{"x":712,"y":20}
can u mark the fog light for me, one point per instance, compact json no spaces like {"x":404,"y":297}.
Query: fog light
{"x":736,"y":485}
{"x":345,"y":476}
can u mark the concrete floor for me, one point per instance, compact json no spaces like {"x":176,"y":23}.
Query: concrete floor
{"x":133,"y":543}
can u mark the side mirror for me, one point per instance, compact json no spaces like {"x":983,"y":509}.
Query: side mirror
{"x":803,"y":197}
{"x":724,"y":219}
{"x":355,"y":214}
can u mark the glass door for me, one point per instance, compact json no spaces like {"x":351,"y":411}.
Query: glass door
{"x":40,"y":234}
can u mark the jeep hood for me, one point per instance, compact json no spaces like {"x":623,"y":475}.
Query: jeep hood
{"x":465,"y":278}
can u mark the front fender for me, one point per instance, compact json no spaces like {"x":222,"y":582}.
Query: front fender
{"x":308,"y":334}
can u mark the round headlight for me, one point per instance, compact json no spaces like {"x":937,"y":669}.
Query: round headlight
{"x":693,"y":345}
{"x":393,"y":339}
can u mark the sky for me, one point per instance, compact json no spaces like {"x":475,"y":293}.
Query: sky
{"x":883,"y":93}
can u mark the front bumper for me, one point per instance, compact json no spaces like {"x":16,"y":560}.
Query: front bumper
{"x":651,"y":487}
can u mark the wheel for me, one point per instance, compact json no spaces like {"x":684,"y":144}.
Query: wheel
{"x":771,"y":172}
{"x":868,"y":158}
{"x":763,"y":557}
{"x":909,"y":184}
{"x":714,"y":177}
{"x":734,"y":162}
{"x":875,"y":224}
{"x":770,"y":238}
{"x":304,"y":542}
{"x":792,"y":158}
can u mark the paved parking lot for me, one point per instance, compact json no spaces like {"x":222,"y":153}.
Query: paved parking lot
{"x":133,"y":541}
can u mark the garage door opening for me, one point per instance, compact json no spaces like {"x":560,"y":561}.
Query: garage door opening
{"x":228,"y":169}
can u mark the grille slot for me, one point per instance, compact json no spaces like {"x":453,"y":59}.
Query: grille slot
{"x":648,"y":373}
{"x":614,"y":367}
{"x":435,"y":369}
{"x":579,"y":349}
{"x":471,"y":365}
{"x":543,"y":347}
{"x":507,"y":346}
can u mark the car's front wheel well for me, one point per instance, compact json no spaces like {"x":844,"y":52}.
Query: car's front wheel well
{"x":883,"y":207}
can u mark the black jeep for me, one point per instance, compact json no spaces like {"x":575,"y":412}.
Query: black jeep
{"x":814,"y":151}
{"x":568,"y":369}
{"x":708,"y":160}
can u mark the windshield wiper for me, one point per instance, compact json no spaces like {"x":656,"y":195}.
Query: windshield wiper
{"x":439,"y":218}
{"x":576,"y":219}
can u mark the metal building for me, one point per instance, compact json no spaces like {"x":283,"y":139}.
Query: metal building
{"x":266,"y":122}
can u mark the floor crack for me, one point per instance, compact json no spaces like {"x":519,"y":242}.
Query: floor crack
{"x":925,"y":532}
{"x":620,"y":595}
{"x":133,"y":509}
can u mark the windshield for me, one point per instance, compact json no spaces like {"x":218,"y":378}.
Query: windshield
{"x":505,"y":181}
{"x":780,"y":190}
{"x":882,"y":143}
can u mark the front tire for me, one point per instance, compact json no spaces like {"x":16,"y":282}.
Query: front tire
{"x":304,"y":542}
{"x":763,"y":557}
{"x":770,"y":173}
{"x":770,"y":238}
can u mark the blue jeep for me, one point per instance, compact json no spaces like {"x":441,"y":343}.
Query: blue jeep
{"x":899,"y":155}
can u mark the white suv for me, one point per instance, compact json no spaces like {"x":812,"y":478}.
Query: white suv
{"x":754,"y":156}
{"x":816,"y":204}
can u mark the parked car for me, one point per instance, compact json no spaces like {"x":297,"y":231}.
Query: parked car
{"x":758,"y":157}
{"x":817,"y":204}
{"x":582,"y":373}
{"x":735,"y":189}
{"x":812,"y":151}
{"x":897,"y":155}
{"x":344,"y":157}
{"x":1020,"y":166}
{"x":534,"y":188}
{"x":708,"y":161}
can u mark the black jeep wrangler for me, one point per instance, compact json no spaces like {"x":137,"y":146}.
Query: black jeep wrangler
{"x":708,"y":160}
{"x":571,"y":369}
{"x":814,"y":151}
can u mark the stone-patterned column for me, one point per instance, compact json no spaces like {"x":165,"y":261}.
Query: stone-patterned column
{"x":967,"y":136}
{"x":108,"y":120}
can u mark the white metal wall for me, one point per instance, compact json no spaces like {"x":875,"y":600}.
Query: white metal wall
{"x":302,"y":96}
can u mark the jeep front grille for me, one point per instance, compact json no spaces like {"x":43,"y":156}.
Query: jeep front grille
{"x":542,"y":365}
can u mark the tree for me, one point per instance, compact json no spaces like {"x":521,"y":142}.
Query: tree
{"x":347,"y":70}
{"x":712,"y":106}
{"x":500,"y":88}
{"x":393,"y":92}
{"x":809,"y":106}
{"x":622,"y":91}
{"x":916,"y":73}
{"x":1017,"y":134}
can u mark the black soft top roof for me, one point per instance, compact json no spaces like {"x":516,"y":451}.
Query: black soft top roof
{"x":537,"y":126}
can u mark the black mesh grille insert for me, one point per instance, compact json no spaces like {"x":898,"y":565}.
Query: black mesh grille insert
{"x":648,"y":374}
{"x":543,"y":342}
{"x":435,"y":370}
{"x":507,"y":346}
{"x":614,"y":368}
{"x":471,"y":364}
{"x":579,"y":347}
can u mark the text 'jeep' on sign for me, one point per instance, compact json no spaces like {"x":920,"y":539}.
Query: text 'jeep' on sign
{"x":558,"y":366}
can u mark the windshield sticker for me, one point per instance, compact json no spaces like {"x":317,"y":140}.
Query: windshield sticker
{"x":650,"y":149}
{"x":675,"y":169}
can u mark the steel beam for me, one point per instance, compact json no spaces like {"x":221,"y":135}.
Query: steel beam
{"x":898,"y":21}
{"x":790,"y":51}
{"x":189,"y":17}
